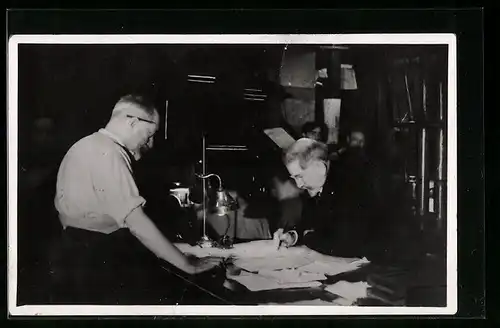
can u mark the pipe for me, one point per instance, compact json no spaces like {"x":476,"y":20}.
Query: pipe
{"x":424,"y":99}
{"x":408,"y":98}
{"x":211,"y":175}
{"x":441,"y":181}
{"x":422,"y":173}
{"x":204,"y":188}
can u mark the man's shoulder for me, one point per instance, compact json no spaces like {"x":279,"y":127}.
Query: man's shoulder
{"x":90,"y":144}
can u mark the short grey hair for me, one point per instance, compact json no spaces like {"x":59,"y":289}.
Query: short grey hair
{"x":131,"y":103}
{"x":305,"y":150}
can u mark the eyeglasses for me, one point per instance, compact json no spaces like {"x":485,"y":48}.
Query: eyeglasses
{"x":141,"y":119}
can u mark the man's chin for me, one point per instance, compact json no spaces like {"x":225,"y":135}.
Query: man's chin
{"x":313,"y":192}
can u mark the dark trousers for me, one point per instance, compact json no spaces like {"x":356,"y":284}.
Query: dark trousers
{"x":96,"y":268}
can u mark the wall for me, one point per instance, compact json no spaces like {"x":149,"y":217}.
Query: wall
{"x":78,"y":86}
{"x":298,"y":76}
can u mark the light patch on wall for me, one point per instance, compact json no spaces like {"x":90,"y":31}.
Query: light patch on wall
{"x":348,"y":77}
{"x":166,"y":119}
{"x":298,"y":68}
{"x":332,"y":118}
{"x":297,"y":111}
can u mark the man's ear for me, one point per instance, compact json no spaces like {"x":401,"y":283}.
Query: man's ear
{"x":319,"y":165}
{"x":132,"y":121}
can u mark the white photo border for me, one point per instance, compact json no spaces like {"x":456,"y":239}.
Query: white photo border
{"x":237,"y":310}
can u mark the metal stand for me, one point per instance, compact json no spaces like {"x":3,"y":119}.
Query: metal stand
{"x":205,"y":241}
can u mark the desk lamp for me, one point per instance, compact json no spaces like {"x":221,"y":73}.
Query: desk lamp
{"x":220,"y":204}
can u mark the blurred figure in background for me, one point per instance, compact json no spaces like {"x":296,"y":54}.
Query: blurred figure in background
{"x":355,"y":141}
{"x":39,"y":158}
{"x":315,"y":131}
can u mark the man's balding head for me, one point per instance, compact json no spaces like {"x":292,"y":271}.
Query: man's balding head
{"x":134,"y":120}
{"x":135,"y":105}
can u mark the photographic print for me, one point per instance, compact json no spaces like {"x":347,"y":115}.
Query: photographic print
{"x":233,"y":175}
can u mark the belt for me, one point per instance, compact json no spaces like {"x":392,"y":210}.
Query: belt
{"x":79,"y":223}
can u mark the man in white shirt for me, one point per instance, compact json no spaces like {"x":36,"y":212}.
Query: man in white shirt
{"x":101,"y":209}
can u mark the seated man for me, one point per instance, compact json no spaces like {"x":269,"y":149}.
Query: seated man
{"x":355,"y":140}
{"x":336,"y":216}
{"x":319,"y":132}
{"x":315,"y":131}
{"x":109,"y":245}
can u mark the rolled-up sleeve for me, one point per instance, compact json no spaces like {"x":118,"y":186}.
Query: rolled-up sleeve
{"x":116,"y":187}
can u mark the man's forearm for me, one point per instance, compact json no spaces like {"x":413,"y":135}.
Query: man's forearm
{"x":145,"y":230}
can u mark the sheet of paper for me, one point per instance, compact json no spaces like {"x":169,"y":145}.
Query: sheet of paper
{"x":280,"y":137}
{"x":342,"y":301}
{"x":316,"y":256}
{"x":270,"y":263}
{"x":203,"y":252}
{"x":317,"y":301}
{"x":292,"y":275}
{"x":263,"y":255}
{"x":255,"y":282}
{"x":349,"y":290}
{"x":329,"y":268}
{"x":253,"y":249}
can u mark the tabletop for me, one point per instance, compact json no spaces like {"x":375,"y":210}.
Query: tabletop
{"x":387,"y":286}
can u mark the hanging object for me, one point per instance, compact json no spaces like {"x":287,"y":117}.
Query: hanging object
{"x":347,"y":77}
{"x":331,"y":109}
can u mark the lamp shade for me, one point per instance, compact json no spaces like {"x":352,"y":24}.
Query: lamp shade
{"x":222,"y":203}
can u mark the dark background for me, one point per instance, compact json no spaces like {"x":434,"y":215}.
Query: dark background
{"x":464,"y":23}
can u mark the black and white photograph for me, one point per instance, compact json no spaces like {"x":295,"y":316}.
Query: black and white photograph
{"x":280,"y":174}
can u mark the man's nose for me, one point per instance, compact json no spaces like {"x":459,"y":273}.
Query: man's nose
{"x":299,"y":183}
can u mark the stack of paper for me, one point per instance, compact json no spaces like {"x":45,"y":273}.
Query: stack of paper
{"x":256,"y":282}
{"x":332,"y":267}
{"x":349,"y":292}
{"x":316,"y":301}
{"x":342,"y":301}
{"x":271,"y":263}
{"x":292,"y":276}
{"x":258,"y":248}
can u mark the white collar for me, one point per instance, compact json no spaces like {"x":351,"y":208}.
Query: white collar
{"x":112,"y":136}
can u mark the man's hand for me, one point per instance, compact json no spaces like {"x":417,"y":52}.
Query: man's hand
{"x":286,"y":239}
{"x":201,"y":265}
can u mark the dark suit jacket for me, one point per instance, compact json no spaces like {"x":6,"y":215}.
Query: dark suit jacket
{"x":341,"y":216}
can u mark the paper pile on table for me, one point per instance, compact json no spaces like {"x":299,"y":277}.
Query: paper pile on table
{"x":348,"y":292}
{"x":333,"y":266}
{"x":264,"y":267}
{"x":316,"y":301}
{"x":292,"y":276}
{"x":256,"y":282}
